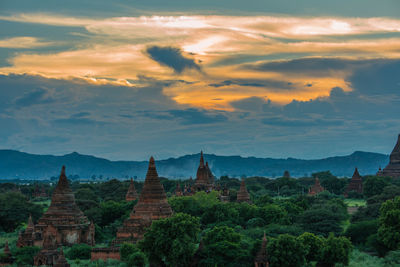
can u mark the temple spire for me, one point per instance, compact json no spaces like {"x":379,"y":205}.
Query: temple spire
{"x":201,"y":159}
{"x":261,"y":259}
{"x":393,"y":168}
{"x":356,"y":174}
{"x":131,"y":195}
{"x":243,"y":194}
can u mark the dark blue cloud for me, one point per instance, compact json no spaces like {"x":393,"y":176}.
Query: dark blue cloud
{"x":172,"y":57}
{"x":38,"y":96}
{"x":197,"y":116}
{"x":256,"y":83}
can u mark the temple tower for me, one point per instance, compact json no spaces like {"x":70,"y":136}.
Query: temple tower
{"x":204,"y":178}
{"x":316,"y":188}
{"x":26,"y":238}
{"x":243,"y":195}
{"x":131,"y":195}
{"x":261,"y":259}
{"x":152,"y":205}
{"x":178,"y":190}
{"x":355,"y":184}
{"x":393,"y":168}
{"x":72,"y":226}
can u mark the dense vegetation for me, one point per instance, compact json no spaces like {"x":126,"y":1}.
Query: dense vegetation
{"x":301,"y":230}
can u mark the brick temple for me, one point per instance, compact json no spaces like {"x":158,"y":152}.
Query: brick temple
{"x":70,"y":224}
{"x":49,"y":255}
{"x":204,"y":177}
{"x":131,"y":195}
{"x":316,"y":188}
{"x":152,"y":205}
{"x":178,"y":190}
{"x":243,"y":195}
{"x":355,"y":184}
{"x":393,"y":168}
{"x":261,"y":259}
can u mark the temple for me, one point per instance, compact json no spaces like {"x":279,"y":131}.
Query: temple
{"x":393,"y":168}
{"x":49,"y":255}
{"x":204,"y":178}
{"x":131,"y":195}
{"x":243,"y":195}
{"x":261,"y":259}
{"x":355,"y":184}
{"x":7,"y":258}
{"x":316,"y":188}
{"x":25,"y":239}
{"x":39,"y":192}
{"x":152,"y":205}
{"x":178,"y":190}
{"x":286,"y":174}
{"x":70,"y":224}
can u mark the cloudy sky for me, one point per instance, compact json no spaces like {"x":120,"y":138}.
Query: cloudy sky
{"x":129,"y":79}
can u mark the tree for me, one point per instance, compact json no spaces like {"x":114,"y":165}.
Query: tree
{"x":220,"y":212}
{"x":312,"y":246}
{"x":374,"y":185}
{"x":24,"y":256}
{"x":286,"y":251}
{"x":273,"y":214}
{"x":172,"y":241}
{"x":321,"y":221}
{"x":137,"y":259}
{"x":360,"y":231}
{"x":335,"y":250}
{"x":15,"y":209}
{"x":222,"y":247}
{"x":389,"y":224}
{"x":79,"y":251}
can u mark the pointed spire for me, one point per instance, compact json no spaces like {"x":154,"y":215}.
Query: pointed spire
{"x":62,"y":181}
{"x":131,"y":194}
{"x":262,"y":255}
{"x":243,"y":194}
{"x":201,"y":159}
{"x":6,"y":250}
{"x":356,"y":174}
{"x":30,"y":222}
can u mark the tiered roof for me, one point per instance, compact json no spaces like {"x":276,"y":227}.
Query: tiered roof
{"x":131,"y":195}
{"x":243,"y":195}
{"x":355,"y":184}
{"x":393,"y":168}
{"x":261,"y":259}
{"x":316,"y":188}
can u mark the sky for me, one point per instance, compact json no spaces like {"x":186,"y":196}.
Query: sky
{"x":128,"y":79}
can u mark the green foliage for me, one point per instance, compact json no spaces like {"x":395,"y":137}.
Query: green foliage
{"x":389,"y":224}
{"x":273,"y":214}
{"x":222,"y":247}
{"x":113,"y":190}
{"x":24,"y":256}
{"x":111,"y":211}
{"x":374,"y":185}
{"x":15,"y":209}
{"x":220,"y":213}
{"x":137,"y":259}
{"x":313,"y":246}
{"x":335,"y":250}
{"x":172,"y":241}
{"x":360,"y":231}
{"x":126,"y":250}
{"x":286,"y":251}
{"x":79,"y":251}
{"x":321,"y":221}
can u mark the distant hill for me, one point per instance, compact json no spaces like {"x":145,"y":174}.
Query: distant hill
{"x":15,"y":164}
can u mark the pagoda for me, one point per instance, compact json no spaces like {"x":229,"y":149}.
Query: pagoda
{"x":316,"y":188}
{"x":286,"y":174}
{"x":178,"y":190}
{"x":25,"y":239}
{"x":261,"y":259}
{"x":355,"y":184}
{"x":393,"y":168}
{"x":49,"y":254}
{"x":152,"y":205}
{"x":72,"y":226}
{"x":7,"y":259}
{"x":131,"y":195}
{"x":243,"y":195}
{"x":204,"y":178}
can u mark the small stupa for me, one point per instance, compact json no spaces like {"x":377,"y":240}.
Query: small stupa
{"x":243,"y":195}
{"x":26,"y":238}
{"x":131,"y":195}
{"x":261,"y":259}
{"x":178,"y":190}
{"x":355,"y":184}
{"x":316,"y":188}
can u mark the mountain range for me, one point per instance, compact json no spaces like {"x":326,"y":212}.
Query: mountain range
{"x":20,"y":165}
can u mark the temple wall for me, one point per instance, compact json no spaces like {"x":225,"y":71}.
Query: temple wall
{"x":105,"y":254}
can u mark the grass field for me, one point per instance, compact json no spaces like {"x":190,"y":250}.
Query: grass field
{"x":355,"y":202}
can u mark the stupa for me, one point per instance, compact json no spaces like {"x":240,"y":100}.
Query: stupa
{"x":131,"y":195}
{"x":355,"y":184}
{"x":72,"y":226}
{"x":7,"y":258}
{"x":316,"y":188}
{"x":178,"y":190}
{"x":261,"y":259}
{"x":49,"y":254}
{"x":243,"y":195}
{"x":152,"y":205}
{"x":204,"y":178}
{"x":25,"y":238}
{"x":393,"y":168}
